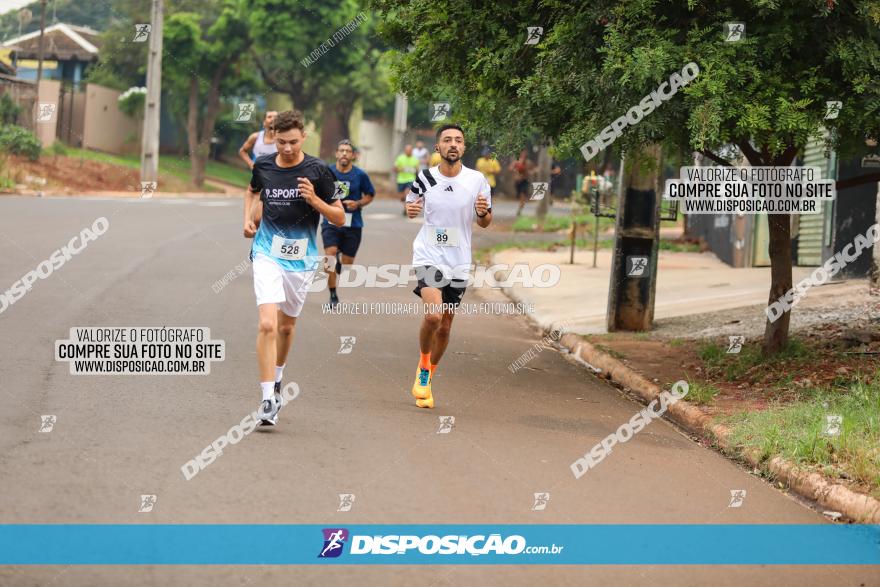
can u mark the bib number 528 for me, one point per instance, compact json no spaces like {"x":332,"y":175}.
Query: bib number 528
{"x":289,"y":248}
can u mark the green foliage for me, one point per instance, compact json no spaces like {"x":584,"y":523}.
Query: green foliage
{"x":9,"y":110}
{"x":354,"y":66}
{"x":17,"y":140}
{"x":710,"y":353}
{"x":132,"y":101}
{"x":597,"y":59}
{"x":610,"y":351}
{"x":677,"y":247}
{"x":552,"y":223}
{"x":95,"y":15}
{"x":795,"y":432}
{"x":734,"y":365}
{"x":121,"y":63}
{"x":58,"y":149}
{"x":206,"y":47}
{"x":701,"y":393}
{"x":205,"y":51}
{"x":6,"y":181}
{"x":580,"y":245}
{"x":170,"y":165}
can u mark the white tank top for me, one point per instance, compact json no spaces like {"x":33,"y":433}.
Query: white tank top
{"x":261,"y":148}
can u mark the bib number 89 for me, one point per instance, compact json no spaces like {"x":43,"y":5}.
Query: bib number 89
{"x":445,"y":237}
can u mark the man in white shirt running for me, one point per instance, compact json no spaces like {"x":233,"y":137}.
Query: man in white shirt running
{"x":452,"y":197}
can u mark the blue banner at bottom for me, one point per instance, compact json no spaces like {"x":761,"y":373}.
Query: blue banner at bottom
{"x":281,"y":544}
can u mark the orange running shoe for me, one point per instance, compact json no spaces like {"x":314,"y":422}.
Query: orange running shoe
{"x":421,"y":388}
{"x":428,"y":402}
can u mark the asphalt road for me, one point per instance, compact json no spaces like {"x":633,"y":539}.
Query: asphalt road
{"x":354,"y":428}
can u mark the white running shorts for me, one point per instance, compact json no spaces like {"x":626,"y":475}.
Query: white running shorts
{"x":274,"y":285}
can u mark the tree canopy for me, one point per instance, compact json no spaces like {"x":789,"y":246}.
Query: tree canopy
{"x":763,"y":93}
{"x":596,"y":60}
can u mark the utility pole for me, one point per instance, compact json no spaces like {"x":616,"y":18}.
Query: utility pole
{"x":150,"y":142}
{"x":40,"y":49}
{"x":632,"y":290}
{"x":401,"y":105}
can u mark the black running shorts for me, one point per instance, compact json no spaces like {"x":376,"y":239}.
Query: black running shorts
{"x":451,"y":290}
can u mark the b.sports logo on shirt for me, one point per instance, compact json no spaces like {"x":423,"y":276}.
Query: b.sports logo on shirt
{"x":286,"y":193}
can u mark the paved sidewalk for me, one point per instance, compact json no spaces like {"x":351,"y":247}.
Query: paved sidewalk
{"x":687,"y":284}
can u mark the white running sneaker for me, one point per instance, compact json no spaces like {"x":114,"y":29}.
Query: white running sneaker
{"x":278,"y":399}
{"x":269,"y":412}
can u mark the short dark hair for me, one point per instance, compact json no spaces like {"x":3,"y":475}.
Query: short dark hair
{"x":345,"y":142}
{"x":287,"y":120}
{"x":447,"y":127}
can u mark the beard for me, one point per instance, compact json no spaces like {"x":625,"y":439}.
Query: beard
{"x":451,"y":157}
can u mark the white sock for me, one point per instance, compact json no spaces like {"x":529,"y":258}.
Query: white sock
{"x":279,"y":371}
{"x":268,"y":388}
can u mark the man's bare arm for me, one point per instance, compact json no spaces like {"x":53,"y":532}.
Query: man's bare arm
{"x":251,"y":200}
{"x":485,"y":220}
{"x":246,"y":147}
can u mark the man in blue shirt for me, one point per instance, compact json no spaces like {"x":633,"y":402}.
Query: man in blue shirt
{"x":355,"y":190}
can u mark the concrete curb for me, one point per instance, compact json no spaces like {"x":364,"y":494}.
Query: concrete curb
{"x":855,"y":506}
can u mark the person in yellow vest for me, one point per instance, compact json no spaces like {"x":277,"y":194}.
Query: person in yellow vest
{"x":435,"y":159}
{"x":590,"y":181}
{"x":488,"y":166}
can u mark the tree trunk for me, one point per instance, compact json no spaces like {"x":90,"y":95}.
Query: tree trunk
{"x":201,"y":161}
{"x":776,"y":333}
{"x":199,"y":140}
{"x":199,"y":155}
{"x":192,"y":133}
{"x":875,"y":263}
{"x":334,"y":126}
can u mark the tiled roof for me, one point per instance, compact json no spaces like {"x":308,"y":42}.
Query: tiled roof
{"x":61,"y":42}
